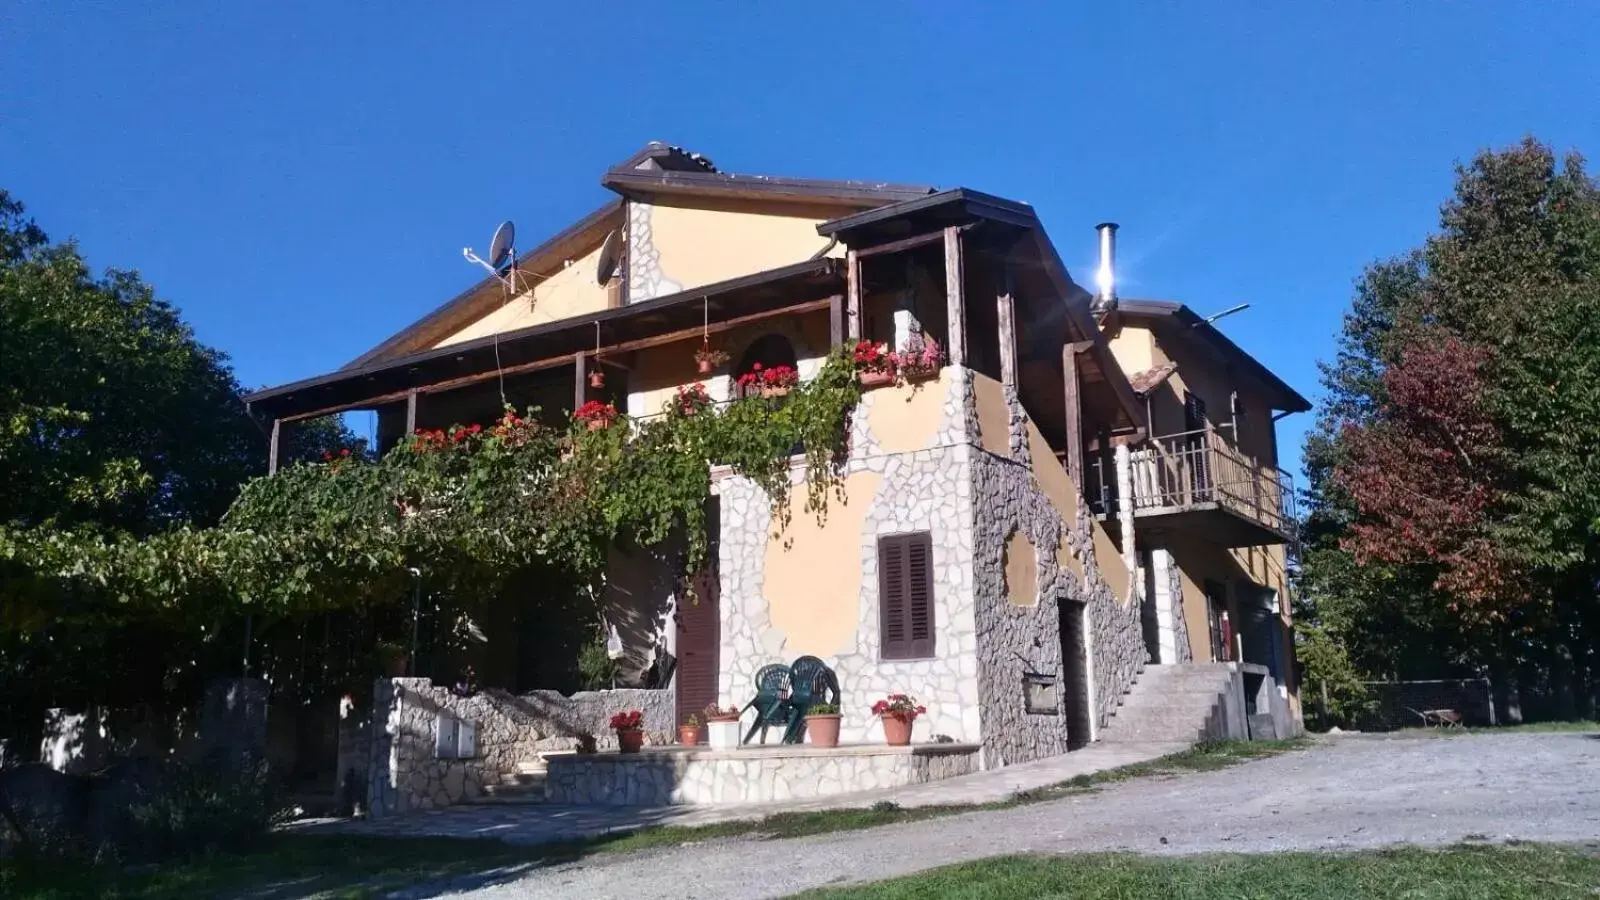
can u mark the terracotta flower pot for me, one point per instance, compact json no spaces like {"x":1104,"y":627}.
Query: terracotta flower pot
{"x":597,"y":424}
{"x":875,"y":378}
{"x":774,"y":391}
{"x":919,"y":374}
{"x":896,"y":730}
{"x":597,"y":379}
{"x":824,"y":730}
{"x":689,"y":735}
{"x":703,"y":366}
{"x":630,"y":740}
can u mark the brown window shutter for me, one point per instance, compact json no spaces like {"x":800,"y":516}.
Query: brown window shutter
{"x":905,"y":596}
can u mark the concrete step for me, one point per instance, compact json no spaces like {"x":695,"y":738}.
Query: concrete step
{"x":1154,"y":732}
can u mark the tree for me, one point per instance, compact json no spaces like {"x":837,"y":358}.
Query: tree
{"x":1454,"y":482}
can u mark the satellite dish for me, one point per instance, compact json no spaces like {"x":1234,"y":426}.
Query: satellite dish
{"x":500,"y":248}
{"x":610,"y":256}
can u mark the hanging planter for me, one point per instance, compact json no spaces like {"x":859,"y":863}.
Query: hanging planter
{"x":597,"y":379}
{"x":706,"y":360}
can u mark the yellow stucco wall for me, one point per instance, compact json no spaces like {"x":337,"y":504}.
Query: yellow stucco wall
{"x":813,"y":574}
{"x":994,"y":419}
{"x":1108,"y":559}
{"x":1021,"y":570}
{"x":1134,"y":349}
{"x":568,"y":292}
{"x":700,"y":245}
{"x":905,"y":418}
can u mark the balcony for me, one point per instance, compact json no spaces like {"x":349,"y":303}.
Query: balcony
{"x":1198,"y":482}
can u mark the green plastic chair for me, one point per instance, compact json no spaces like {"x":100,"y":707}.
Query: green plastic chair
{"x":771,"y":702}
{"x":810,"y":682}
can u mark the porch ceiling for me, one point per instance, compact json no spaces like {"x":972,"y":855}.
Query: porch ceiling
{"x":555,"y":342}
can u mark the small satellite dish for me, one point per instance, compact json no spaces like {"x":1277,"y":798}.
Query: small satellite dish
{"x":610,"y":256}
{"x":500,"y":248}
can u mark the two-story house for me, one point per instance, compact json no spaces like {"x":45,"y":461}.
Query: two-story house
{"x":984,"y":558}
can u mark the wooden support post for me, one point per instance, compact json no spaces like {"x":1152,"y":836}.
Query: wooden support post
{"x":836,"y":320}
{"x":852,"y":287}
{"x":580,"y":380}
{"x":1005,"y":311}
{"x":954,"y":276}
{"x":273,"y":445}
{"x":1069,"y":383}
{"x":411,"y":413}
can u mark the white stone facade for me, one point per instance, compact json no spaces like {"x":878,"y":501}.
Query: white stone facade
{"x":969,"y":500}
{"x":406,"y":772}
{"x":749,"y":776}
{"x":922,"y":490}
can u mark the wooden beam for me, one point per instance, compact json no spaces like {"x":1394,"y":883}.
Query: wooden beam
{"x":852,"y":287}
{"x":909,"y":243}
{"x":411,"y":413}
{"x":836,"y":320}
{"x":954,"y":278}
{"x":1005,"y":312}
{"x":272,"y":446}
{"x":1069,"y":377}
{"x":562,"y":360}
{"x":580,"y":380}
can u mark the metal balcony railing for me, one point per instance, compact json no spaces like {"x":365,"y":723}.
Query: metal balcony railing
{"x":1197,"y":470}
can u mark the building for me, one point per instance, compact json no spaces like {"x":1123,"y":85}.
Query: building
{"x":984,"y":559}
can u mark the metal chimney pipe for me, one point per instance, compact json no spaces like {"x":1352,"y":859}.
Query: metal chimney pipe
{"x":1105,"y":298}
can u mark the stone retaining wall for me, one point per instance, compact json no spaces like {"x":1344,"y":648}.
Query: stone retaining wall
{"x":406,"y":773}
{"x":749,"y":776}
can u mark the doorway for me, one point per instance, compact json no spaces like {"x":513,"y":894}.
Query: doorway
{"x":1076,"y":674}
{"x":699,"y":632}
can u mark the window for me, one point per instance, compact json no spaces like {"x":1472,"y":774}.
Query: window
{"x":905,"y":595}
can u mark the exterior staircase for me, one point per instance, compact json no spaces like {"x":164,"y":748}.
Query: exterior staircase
{"x":1186,"y":703}
{"x":524,"y":786}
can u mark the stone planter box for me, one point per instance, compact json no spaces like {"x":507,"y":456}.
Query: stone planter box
{"x":691,"y":775}
{"x":723,"y":735}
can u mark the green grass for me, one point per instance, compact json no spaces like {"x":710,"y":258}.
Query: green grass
{"x":343,"y":866}
{"x":1522,"y":872}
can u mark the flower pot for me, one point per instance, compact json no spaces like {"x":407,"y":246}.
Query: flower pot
{"x":689,"y":735}
{"x":774,"y":391}
{"x":919,"y":375}
{"x":875,"y":379}
{"x":824,"y":730}
{"x":723,"y":733}
{"x":597,"y":424}
{"x":703,"y":366}
{"x":896,"y":730}
{"x":630,"y":740}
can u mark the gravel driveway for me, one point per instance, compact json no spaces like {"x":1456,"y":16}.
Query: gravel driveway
{"x":1342,"y":793}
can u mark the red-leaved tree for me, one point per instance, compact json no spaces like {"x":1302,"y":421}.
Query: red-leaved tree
{"x":1426,"y":477}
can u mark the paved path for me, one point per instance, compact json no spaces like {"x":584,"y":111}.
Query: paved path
{"x":543,"y":822}
{"x":1344,"y":793}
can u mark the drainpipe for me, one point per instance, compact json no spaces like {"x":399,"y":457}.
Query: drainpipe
{"x":1130,"y":556}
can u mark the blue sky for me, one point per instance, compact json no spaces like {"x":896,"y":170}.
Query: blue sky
{"x":300,"y":178}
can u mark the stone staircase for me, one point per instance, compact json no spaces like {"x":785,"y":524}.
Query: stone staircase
{"x":1186,"y":703}
{"x":524,"y":786}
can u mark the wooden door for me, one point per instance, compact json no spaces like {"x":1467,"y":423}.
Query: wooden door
{"x":699,"y":637}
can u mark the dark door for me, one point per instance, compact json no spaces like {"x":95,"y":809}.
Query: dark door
{"x":1075,"y":674}
{"x":699,"y":635}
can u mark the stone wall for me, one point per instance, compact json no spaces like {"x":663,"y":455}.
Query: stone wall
{"x":921,"y":487}
{"x":406,"y":774}
{"x":1018,"y":640}
{"x":743,"y":776}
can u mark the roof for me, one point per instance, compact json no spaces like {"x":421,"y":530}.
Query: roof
{"x":552,"y":343}
{"x":481,"y":299}
{"x":1282,"y":396}
{"x":659,"y":170}
{"x":1019,"y":226}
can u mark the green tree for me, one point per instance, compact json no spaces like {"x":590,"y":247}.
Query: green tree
{"x":1455,"y":491}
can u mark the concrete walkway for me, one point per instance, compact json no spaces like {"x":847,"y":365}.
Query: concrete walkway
{"x":538,"y":823}
{"x":1339,"y":794}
